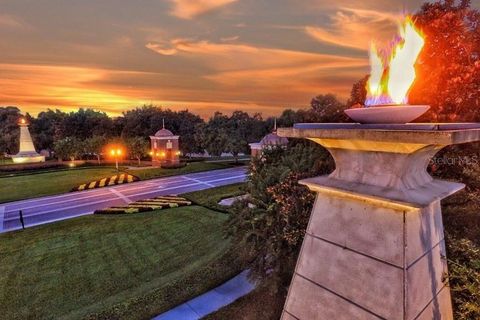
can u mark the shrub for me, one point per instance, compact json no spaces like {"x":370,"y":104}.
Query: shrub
{"x":173,"y":165}
{"x":273,"y":230}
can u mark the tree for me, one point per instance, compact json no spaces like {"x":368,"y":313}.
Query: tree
{"x":95,"y":146}
{"x":9,"y":132}
{"x":137,"y":147}
{"x":448,"y":68}
{"x":68,"y":147}
{"x":47,"y":128}
{"x":358,"y":95}
{"x":213,"y":136}
{"x":237,"y":131}
{"x":272,"y":231}
{"x":327,"y":108}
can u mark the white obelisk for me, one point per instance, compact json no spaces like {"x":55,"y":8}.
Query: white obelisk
{"x":27,"y":152}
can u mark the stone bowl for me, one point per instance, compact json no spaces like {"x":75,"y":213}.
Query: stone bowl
{"x":387,"y":113}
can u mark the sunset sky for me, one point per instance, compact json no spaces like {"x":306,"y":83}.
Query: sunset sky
{"x":204,"y":55}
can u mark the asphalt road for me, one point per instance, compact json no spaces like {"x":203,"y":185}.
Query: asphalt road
{"x":69,"y":205}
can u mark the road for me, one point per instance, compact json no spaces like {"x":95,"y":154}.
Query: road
{"x":69,"y":205}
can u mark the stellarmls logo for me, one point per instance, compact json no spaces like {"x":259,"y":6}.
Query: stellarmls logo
{"x":454,"y":161}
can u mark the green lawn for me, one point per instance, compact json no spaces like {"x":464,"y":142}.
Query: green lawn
{"x":37,"y":185}
{"x":190,"y":168}
{"x":211,"y":197}
{"x":61,"y":181}
{"x":113,"y":267}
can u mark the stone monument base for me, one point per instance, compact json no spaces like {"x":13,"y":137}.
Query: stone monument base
{"x":28,"y":157}
{"x":366,"y":256}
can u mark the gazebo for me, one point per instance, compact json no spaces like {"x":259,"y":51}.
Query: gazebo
{"x":269,"y":141}
{"x":165,"y":147}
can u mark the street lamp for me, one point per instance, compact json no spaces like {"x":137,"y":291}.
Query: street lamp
{"x":116,"y":153}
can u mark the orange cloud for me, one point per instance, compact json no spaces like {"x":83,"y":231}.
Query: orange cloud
{"x":37,"y":87}
{"x":188,"y":9}
{"x":243,"y":73}
{"x":356,"y":28}
{"x":34,"y":88}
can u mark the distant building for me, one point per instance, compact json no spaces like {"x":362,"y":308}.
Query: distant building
{"x":27,"y":152}
{"x":271,"y":139}
{"x":165,"y":147}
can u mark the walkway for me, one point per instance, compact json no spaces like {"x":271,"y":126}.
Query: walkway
{"x":211,"y":301}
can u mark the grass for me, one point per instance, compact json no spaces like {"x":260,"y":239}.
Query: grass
{"x":258,"y":304}
{"x":43,"y":184}
{"x":4,"y":162}
{"x":145,"y":174}
{"x":113,"y":267}
{"x":210,"y":198}
{"x":37,"y":185}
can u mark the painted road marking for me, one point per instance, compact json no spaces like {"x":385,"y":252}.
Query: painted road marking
{"x":102,"y":194}
{"x":120,"y":195}
{"x":28,"y":225}
{"x":33,"y":214}
{"x":199,"y":181}
{"x":2,"y":215}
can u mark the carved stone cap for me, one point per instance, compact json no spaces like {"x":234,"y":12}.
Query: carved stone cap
{"x":421,"y":134}
{"x":390,"y":158}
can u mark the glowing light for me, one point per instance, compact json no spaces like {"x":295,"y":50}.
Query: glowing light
{"x":391,"y":77}
{"x":112,"y":152}
{"x":177,"y":153}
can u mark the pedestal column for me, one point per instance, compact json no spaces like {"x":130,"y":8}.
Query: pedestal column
{"x":374,"y":247}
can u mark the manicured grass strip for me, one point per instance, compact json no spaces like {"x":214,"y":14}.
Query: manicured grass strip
{"x":113,"y":267}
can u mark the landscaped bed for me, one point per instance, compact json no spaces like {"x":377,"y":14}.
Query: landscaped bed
{"x":120,"y":178}
{"x":157,"y":203}
{"x":112,"y":267}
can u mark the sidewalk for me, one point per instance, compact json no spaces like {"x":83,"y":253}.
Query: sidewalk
{"x":211,"y":301}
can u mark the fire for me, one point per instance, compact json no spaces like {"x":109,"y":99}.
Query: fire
{"x":392,"y":75}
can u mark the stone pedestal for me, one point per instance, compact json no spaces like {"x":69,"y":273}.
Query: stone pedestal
{"x":374,"y":246}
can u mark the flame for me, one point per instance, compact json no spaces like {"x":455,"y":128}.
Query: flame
{"x":391,"y":77}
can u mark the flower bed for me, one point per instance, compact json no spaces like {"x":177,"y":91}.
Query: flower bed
{"x":157,"y":203}
{"x":114,"y":180}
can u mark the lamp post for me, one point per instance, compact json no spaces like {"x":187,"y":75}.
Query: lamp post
{"x":116,"y":153}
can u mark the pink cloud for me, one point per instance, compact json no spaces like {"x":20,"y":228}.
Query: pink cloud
{"x":356,"y":28}
{"x":10,"y":21}
{"x":188,"y":9}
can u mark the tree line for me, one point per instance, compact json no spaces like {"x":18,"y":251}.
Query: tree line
{"x":86,"y":132}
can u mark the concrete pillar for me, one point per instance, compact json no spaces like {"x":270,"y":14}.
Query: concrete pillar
{"x":374,"y":246}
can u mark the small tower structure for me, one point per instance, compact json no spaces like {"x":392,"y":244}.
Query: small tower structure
{"x":165,"y":147}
